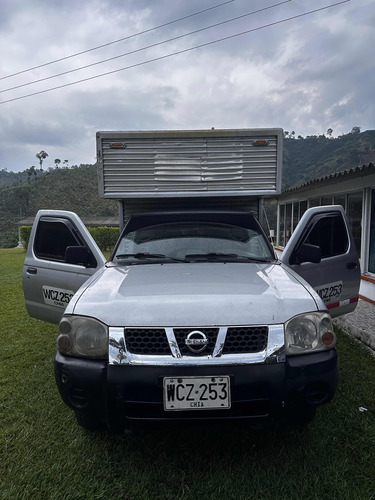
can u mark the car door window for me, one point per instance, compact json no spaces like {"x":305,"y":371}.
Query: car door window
{"x":330,"y":234}
{"x":52,"y":239}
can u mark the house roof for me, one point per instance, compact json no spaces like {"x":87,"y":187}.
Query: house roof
{"x":359,"y":171}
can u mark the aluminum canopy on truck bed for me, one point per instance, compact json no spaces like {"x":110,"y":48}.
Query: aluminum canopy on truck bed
{"x":189,"y":164}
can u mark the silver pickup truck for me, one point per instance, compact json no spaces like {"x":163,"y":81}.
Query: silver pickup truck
{"x":193,"y":317}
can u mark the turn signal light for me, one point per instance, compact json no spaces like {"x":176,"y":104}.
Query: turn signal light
{"x":64,"y":343}
{"x":328,"y":338}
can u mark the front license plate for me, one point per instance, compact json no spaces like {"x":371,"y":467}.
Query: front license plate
{"x":196,"y":393}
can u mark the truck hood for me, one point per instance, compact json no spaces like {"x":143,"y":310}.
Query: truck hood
{"x":193,"y":294}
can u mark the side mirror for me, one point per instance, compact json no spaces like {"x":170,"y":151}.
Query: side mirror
{"x":77,"y":255}
{"x":308,"y":253}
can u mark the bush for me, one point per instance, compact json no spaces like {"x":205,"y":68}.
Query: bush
{"x":9,"y":238}
{"x":105,"y":237}
{"x":25,"y":232}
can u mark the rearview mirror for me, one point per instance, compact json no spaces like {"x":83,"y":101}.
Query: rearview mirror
{"x":77,"y":255}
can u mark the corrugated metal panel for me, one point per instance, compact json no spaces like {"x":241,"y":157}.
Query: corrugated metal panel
{"x":209,"y":163}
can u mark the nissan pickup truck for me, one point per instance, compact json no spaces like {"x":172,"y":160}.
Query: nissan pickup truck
{"x":193,"y":318}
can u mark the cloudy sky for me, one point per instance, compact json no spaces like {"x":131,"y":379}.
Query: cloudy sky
{"x":278,"y":66}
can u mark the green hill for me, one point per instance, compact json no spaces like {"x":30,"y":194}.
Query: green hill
{"x":9,"y":178}
{"x":76,"y":189}
{"x":317,"y":156}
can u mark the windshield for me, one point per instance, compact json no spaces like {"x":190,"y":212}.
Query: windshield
{"x":194,"y":241}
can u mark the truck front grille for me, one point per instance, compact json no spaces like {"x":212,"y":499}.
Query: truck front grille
{"x":147,"y":341}
{"x":235,"y":340}
{"x":241,"y":340}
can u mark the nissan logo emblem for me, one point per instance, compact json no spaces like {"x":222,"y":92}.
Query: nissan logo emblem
{"x":196,"y":341}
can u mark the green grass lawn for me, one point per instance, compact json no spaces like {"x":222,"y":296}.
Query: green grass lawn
{"x":45,"y":455}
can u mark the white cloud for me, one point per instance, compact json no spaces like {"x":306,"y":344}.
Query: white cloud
{"x":306,"y":74}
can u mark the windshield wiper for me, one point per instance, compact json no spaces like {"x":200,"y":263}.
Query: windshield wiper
{"x":210,"y":256}
{"x":215,"y":256}
{"x":141,"y":255}
{"x":146,"y":256}
{"x":256,"y":259}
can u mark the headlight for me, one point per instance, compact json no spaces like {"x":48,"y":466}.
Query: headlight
{"x":82,"y":337}
{"x":309,"y":332}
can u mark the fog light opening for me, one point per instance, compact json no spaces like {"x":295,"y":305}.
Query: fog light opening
{"x":316,"y":393}
{"x":78,"y":397}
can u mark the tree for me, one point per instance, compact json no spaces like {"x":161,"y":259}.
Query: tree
{"x":57,"y":162}
{"x":356,"y":130}
{"x":329,"y":133}
{"x":30,"y":171}
{"x":65,"y":162}
{"x":41,"y":157}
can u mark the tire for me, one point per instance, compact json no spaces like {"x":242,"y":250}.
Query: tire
{"x":88,"y":422}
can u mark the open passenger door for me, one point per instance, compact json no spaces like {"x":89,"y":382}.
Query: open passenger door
{"x":60,"y":257}
{"x":322,"y":251}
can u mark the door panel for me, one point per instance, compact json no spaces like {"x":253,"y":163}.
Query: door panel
{"x":322,"y":251}
{"x":49,"y":281}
